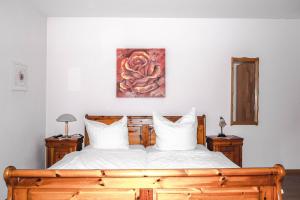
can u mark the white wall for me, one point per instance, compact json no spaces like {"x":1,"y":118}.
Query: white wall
{"x":198,"y":53}
{"x":22,"y":119}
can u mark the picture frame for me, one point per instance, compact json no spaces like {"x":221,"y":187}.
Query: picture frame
{"x":141,"y":73}
{"x":19,"y":77}
{"x":244,"y":91}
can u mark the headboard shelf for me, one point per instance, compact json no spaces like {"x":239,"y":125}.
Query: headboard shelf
{"x":140,"y":129}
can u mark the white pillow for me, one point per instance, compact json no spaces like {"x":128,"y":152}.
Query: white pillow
{"x":179,"y":135}
{"x":103,"y":136}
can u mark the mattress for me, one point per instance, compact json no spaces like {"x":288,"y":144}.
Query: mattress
{"x":138,"y":157}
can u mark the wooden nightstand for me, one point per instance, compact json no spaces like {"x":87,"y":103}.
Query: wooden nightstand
{"x":230,"y":146}
{"x":57,"y":148}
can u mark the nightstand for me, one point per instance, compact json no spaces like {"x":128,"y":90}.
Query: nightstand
{"x":230,"y":146}
{"x":57,"y":148}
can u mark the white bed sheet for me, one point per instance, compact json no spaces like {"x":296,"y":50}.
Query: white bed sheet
{"x":137,"y":157}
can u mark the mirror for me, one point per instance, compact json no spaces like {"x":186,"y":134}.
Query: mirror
{"x":244,"y":91}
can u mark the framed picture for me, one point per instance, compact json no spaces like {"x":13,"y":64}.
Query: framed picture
{"x":140,"y":73}
{"x":244,"y":91}
{"x":19,"y":77}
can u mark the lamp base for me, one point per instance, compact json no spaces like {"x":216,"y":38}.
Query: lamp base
{"x":66,"y":136}
{"x":221,"y":135}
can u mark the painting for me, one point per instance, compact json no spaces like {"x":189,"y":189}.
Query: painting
{"x":141,"y":73}
{"x":19,"y":77}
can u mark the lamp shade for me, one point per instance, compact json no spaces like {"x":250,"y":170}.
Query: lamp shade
{"x":66,"y":118}
{"x":222,"y":122}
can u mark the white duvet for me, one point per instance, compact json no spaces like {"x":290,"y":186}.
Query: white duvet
{"x":197,"y":158}
{"x":137,"y":157}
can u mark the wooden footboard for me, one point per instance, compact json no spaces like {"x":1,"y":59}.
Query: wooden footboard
{"x":204,"y":184}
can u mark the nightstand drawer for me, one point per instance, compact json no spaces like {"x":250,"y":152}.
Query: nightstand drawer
{"x":226,"y":148}
{"x":61,"y":145}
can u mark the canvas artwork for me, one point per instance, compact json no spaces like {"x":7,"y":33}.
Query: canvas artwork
{"x":140,"y":72}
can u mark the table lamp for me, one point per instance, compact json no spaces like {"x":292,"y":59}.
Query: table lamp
{"x":66,"y":118}
{"x":222,"y":124}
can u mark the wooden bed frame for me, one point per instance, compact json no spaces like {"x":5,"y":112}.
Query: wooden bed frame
{"x":204,"y":184}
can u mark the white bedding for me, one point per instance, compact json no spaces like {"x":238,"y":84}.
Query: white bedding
{"x":200,"y":157}
{"x":137,"y":157}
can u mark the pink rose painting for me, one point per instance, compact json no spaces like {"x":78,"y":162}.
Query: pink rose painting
{"x":140,"y":72}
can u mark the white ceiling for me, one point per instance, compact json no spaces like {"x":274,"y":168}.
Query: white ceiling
{"x":288,"y":9}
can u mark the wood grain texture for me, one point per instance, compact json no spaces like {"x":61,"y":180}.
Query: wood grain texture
{"x":206,"y":184}
{"x":245,"y":92}
{"x":141,"y":129}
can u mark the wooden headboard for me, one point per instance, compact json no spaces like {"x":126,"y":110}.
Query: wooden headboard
{"x":141,"y":130}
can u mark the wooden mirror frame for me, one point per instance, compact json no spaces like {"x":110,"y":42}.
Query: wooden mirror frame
{"x":255,"y":61}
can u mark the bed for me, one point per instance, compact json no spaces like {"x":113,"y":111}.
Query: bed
{"x":145,"y":184}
